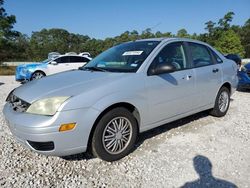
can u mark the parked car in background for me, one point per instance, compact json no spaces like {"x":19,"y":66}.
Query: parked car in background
{"x":54,"y":64}
{"x":244,"y":77}
{"x":235,"y":57}
{"x":126,"y":90}
{"x":243,"y":71}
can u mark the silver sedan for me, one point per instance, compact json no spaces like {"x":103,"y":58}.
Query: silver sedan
{"x":126,"y":90}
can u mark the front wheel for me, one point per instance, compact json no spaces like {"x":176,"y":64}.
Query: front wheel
{"x":115,"y":135}
{"x":37,"y":75}
{"x":222,"y":103}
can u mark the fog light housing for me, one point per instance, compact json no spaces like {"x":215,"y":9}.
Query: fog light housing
{"x":67,"y":127}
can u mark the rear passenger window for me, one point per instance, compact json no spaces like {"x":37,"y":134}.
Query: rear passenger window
{"x":200,"y":55}
{"x":77,"y":59}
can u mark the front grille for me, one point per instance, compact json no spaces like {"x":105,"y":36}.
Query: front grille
{"x":17,"y":104}
{"x":42,"y":146}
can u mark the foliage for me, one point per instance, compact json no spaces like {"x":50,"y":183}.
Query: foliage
{"x":7,"y":70}
{"x":7,"y":35}
{"x":245,"y":37}
{"x":230,"y":42}
{"x":223,"y":36}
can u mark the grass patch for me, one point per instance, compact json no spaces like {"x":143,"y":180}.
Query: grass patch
{"x":7,"y":70}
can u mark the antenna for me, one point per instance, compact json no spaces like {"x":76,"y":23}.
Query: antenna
{"x":156,"y":25}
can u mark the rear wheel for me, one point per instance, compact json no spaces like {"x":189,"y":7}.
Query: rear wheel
{"x":37,"y":75}
{"x":115,"y":135}
{"x":222,"y":103}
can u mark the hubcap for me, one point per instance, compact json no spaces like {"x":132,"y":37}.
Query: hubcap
{"x":117,"y":135}
{"x":223,"y":101}
{"x":37,"y":75}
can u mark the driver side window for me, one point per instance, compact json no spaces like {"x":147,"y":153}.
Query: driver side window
{"x":172,"y":54}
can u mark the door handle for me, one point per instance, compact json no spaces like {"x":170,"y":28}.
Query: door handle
{"x":187,"y":77}
{"x":215,"y":70}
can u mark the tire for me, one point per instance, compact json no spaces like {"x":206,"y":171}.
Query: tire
{"x":222,"y":103}
{"x":115,"y":135}
{"x":37,"y":75}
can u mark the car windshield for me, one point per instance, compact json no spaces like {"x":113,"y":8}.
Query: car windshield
{"x":46,"y":60}
{"x":126,"y":57}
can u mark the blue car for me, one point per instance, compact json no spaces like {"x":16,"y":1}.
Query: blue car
{"x":52,"y":65}
{"x":244,"y":77}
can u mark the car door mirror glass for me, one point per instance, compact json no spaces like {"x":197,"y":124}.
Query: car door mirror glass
{"x":163,"y":68}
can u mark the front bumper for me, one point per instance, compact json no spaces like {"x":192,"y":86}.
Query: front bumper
{"x":29,"y":128}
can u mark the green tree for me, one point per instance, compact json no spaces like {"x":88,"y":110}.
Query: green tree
{"x":183,"y":33}
{"x":147,"y":33}
{"x":7,"y":34}
{"x":245,"y":37}
{"x":159,"y":34}
{"x":230,"y":42}
{"x":59,"y":40}
{"x":224,"y":22}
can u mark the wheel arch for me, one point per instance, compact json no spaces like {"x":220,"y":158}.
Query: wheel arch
{"x":126,"y":105}
{"x":228,"y":86}
{"x":38,"y":70}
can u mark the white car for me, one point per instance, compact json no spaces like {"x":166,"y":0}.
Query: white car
{"x":52,"y":65}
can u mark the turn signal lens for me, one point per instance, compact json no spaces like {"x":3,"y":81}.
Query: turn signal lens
{"x":67,"y":127}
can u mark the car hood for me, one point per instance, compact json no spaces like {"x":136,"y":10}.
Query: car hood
{"x":69,"y":83}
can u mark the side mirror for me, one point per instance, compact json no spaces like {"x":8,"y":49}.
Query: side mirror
{"x":53,"y":63}
{"x":162,"y":68}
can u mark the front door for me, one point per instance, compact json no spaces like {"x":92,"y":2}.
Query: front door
{"x":62,"y":65}
{"x":171,"y":94}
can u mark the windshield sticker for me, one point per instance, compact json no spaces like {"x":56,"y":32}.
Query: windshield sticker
{"x":134,"y":65}
{"x":132,"y":53}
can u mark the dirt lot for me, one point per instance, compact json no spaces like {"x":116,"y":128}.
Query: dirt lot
{"x":197,"y":151}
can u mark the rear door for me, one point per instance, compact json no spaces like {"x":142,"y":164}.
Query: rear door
{"x":208,"y":74}
{"x":171,"y":94}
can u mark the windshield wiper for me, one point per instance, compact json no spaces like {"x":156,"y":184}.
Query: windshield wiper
{"x":92,"y":69}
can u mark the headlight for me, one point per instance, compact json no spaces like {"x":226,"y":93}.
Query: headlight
{"x":47,"y":106}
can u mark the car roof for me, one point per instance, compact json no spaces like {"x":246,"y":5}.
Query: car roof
{"x":76,"y":55}
{"x":166,"y":39}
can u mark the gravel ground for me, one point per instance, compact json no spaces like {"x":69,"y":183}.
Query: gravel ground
{"x":196,"y":151}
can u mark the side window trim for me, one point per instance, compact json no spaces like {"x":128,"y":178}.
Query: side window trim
{"x":188,"y":54}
